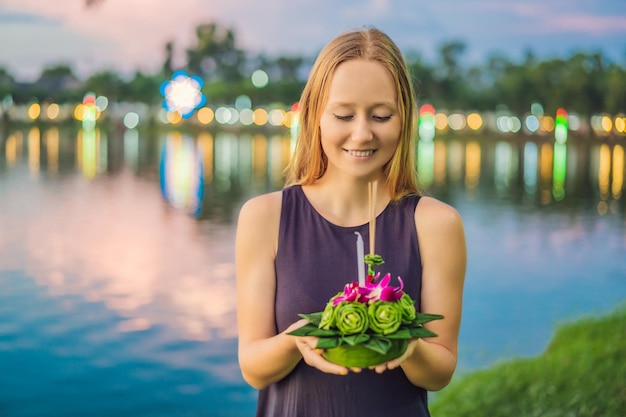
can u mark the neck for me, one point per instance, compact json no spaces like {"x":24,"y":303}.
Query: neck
{"x":346,"y":203}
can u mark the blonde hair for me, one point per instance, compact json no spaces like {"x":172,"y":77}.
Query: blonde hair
{"x":309,"y":161}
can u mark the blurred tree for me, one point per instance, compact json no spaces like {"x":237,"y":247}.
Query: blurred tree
{"x":514,"y":86}
{"x":448,"y":75}
{"x":450,"y":53}
{"x":106,"y":83}
{"x":423,"y":77}
{"x":615,"y":90}
{"x":57,"y":83}
{"x":7,"y":83}
{"x":289,"y":67}
{"x":7,"y":88}
{"x":287,"y":76}
{"x":215,"y":54}
{"x":477,"y":90}
{"x":168,"y":70}
{"x":143,"y":88}
{"x":583,"y":83}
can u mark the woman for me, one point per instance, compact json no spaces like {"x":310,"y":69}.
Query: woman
{"x":296,"y":247}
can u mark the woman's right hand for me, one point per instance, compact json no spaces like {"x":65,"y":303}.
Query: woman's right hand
{"x":312,"y":356}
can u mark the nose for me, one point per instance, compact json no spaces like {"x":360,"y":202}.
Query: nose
{"x":362,"y":131}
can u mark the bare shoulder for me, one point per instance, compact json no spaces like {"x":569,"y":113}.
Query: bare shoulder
{"x":435,"y":215}
{"x":443,"y":247}
{"x":262,"y":207}
{"x":259,"y":218}
{"x":437,"y":210}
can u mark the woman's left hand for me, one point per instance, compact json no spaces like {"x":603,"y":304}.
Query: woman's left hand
{"x":394,"y":363}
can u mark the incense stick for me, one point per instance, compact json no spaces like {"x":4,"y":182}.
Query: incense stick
{"x":371,"y":187}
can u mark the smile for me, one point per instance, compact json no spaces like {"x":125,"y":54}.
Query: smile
{"x":360,"y":154}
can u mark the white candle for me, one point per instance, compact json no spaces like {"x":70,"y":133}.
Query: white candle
{"x":360,"y":255}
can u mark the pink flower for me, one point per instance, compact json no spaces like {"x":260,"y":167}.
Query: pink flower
{"x":372,"y":291}
{"x":382,"y":290}
{"x":352,"y":292}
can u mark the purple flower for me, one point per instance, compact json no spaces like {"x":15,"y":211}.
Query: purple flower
{"x":382,"y":290}
{"x":373,"y":291}
{"x":352,"y":292}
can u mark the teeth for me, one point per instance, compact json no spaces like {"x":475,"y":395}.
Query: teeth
{"x":360,"y":153}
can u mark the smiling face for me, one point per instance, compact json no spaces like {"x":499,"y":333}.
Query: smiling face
{"x":360,"y":124}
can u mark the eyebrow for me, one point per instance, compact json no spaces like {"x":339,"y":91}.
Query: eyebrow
{"x":378,"y":104}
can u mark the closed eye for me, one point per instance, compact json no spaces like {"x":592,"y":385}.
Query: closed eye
{"x":376,"y":118}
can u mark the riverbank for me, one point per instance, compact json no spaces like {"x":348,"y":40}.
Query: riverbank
{"x":581,"y":373}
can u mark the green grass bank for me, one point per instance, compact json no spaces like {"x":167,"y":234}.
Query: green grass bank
{"x":582,"y":373}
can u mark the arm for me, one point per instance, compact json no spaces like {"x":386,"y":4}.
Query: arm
{"x":265,"y":357}
{"x":430,"y":362}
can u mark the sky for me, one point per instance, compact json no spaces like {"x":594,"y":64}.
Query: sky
{"x":130,"y":35}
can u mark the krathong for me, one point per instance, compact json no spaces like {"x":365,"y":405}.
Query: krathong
{"x":363,"y":326}
{"x":370,"y":322}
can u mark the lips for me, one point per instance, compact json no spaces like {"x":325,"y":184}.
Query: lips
{"x":360,"y":154}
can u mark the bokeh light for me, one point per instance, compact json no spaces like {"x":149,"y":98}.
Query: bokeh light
{"x":131,"y":120}
{"x":276,"y":117}
{"x":246,"y":117}
{"x":260,"y":117}
{"x":560,"y":126}
{"x":173,"y":117}
{"x":547,"y":123}
{"x":457,"y":121}
{"x":243,"y":102}
{"x":620,"y":124}
{"x":607,"y":124}
{"x":52,"y":111}
{"x":34,"y":110}
{"x":536,"y":110}
{"x":426,"y":123}
{"x":226,"y":115}
{"x":508,"y":124}
{"x":182,"y":94}
{"x":259,"y":78}
{"x":102,"y":103}
{"x":441,"y":122}
{"x":87,"y":112}
{"x":205,"y":115}
{"x":474,"y":121}
{"x":531,"y":123}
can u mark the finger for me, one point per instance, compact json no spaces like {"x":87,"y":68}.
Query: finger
{"x":393,"y":364}
{"x":380,"y":368}
{"x":318,"y":361}
{"x":323,"y":365}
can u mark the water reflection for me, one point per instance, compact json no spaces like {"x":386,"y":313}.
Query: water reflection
{"x":531,"y":167}
{"x":182,"y":173}
{"x":130,"y":255}
{"x":199,"y":172}
{"x":91,"y":152}
{"x":208,"y":175}
{"x":121,"y":246}
{"x":131,"y":269}
{"x":472,"y":165}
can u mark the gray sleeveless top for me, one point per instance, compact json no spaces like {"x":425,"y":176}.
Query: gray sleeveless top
{"x":315,"y":259}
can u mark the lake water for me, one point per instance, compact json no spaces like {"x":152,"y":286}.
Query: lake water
{"x":117,"y":287}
